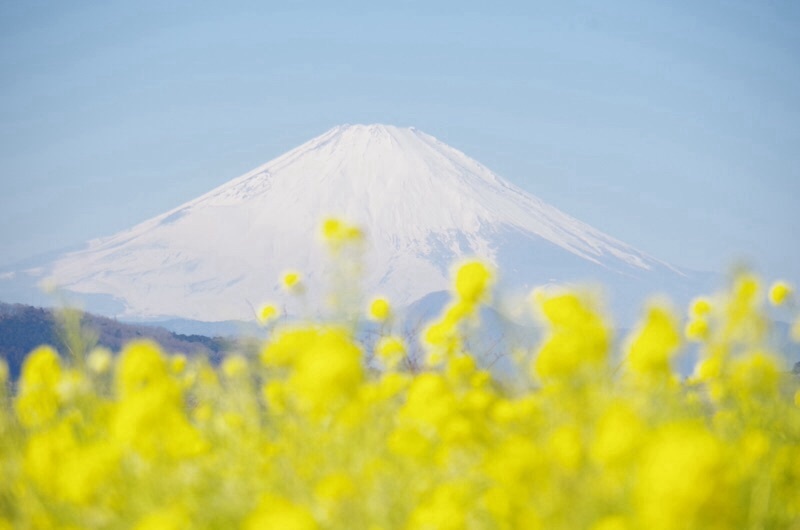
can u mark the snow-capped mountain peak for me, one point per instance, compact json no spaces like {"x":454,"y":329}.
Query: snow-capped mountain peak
{"x":422,"y":203}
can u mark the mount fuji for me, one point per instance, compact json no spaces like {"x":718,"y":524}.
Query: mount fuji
{"x":423,"y":205}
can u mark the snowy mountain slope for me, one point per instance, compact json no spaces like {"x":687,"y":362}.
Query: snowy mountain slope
{"x":423,"y":204}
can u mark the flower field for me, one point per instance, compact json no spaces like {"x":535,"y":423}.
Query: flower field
{"x":307,"y":434}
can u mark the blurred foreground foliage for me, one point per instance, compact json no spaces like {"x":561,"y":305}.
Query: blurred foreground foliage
{"x":314,"y":432}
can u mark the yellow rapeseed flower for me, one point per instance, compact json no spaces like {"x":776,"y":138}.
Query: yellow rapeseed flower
{"x":612,"y":522}
{"x":234,"y":366}
{"x":315,"y":435}
{"x":335,"y":487}
{"x":619,"y":432}
{"x":683,"y":480}
{"x":141,"y":367}
{"x":338,"y":233}
{"x":169,"y":518}
{"x":472,"y":282}
{"x":697,"y":329}
{"x":291,"y":281}
{"x":655,"y":343}
{"x":443,"y":509}
{"x":700,"y":307}
{"x":564,"y":446}
{"x":755,"y":375}
{"x":780,"y":293}
{"x":390,"y":351}
{"x":275,"y":396}
{"x":177,"y":363}
{"x":39,"y":399}
{"x":278,"y":512}
{"x":99,"y":360}
{"x":267,"y":313}
{"x":325,"y":364}
{"x":577,"y":336}
{"x":380,"y":310}
{"x":150,"y":417}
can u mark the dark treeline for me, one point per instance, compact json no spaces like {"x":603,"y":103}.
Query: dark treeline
{"x":23,"y":328}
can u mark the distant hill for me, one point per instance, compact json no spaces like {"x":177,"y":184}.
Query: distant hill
{"x":23,"y":328}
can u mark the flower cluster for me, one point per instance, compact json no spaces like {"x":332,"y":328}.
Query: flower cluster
{"x":305,"y":434}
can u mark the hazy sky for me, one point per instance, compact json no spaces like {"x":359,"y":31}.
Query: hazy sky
{"x":674,"y":126}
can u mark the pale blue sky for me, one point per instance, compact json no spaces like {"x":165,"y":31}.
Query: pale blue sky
{"x":674,"y":126}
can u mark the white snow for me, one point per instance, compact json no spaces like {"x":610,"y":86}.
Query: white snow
{"x":423,"y":204}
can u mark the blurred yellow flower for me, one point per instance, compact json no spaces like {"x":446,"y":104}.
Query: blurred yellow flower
{"x":234,"y":366}
{"x":267,"y":313}
{"x":473,"y":280}
{"x":655,"y":344}
{"x":380,"y":310}
{"x":390,"y":351}
{"x":38,"y":399}
{"x":291,"y":281}
{"x":277,"y":512}
{"x":577,"y":336}
{"x":337,"y":233}
{"x":99,"y":360}
{"x":780,"y":293}
{"x":700,"y":307}
{"x":331,"y":428}
{"x":697,"y":329}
